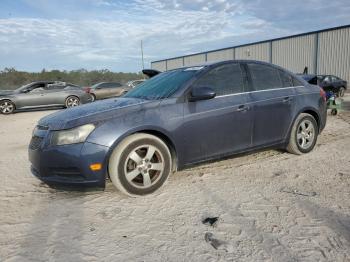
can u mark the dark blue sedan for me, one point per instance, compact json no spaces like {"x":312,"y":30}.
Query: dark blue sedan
{"x":176,"y":119}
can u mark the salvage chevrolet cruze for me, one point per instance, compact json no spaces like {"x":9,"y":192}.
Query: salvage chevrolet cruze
{"x":178,"y":118}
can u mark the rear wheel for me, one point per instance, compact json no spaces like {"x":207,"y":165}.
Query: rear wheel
{"x":72,"y":101}
{"x":7,"y":107}
{"x":334,"y":112}
{"x":140,"y":164}
{"x":341,"y":92}
{"x":304,"y":135}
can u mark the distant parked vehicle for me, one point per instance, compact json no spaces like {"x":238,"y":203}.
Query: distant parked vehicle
{"x":134,"y":83}
{"x":106,"y":90}
{"x":41,"y":95}
{"x":329,"y":83}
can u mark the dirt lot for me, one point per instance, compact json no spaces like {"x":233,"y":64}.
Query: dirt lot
{"x":272,"y":206}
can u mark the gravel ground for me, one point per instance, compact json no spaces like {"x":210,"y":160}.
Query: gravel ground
{"x":272,"y":206}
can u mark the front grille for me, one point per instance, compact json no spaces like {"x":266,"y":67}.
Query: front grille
{"x":35,"y":143}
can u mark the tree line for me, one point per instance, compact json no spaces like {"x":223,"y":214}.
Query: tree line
{"x":10,"y":78}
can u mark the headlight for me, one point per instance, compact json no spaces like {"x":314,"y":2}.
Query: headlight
{"x":72,"y":136}
{"x":34,"y":130}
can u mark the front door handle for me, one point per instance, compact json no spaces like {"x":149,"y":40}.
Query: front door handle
{"x":242,"y":108}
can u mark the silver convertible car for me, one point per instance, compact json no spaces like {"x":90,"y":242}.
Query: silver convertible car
{"x":41,"y":95}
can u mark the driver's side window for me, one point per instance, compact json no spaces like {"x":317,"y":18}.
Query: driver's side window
{"x":224,"y":80}
{"x":37,"y":89}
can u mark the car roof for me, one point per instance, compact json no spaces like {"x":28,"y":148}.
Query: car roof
{"x":44,"y":82}
{"x":214,"y":63}
{"x":107,"y":83}
{"x":307,"y":77}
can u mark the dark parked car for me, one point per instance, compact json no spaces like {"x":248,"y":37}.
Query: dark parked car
{"x":107,"y":90}
{"x":328,"y":83}
{"x":176,"y":119}
{"x":42,"y":94}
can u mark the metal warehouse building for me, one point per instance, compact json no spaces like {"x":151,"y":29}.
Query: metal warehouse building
{"x":323,"y":52}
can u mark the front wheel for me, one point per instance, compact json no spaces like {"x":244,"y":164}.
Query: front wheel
{"x":140,"y":164}
{"x":72,"y":101}
{"x":7,"y":107}
{"x":93,"y":97}
{"x":304,"y":134}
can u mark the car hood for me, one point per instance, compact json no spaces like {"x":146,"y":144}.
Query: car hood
{"x":94,"y":112}
{"x":6,"y":92}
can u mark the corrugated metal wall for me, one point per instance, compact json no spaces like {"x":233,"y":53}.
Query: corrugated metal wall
{"x":334,"y":53}
{"x":259,"y":52}
{"x":221,"y":55}
{"x":174,"y":63}
{"x":194,"y":59}
{"x":295,"y":53}
{"x":323,"y":52}
{"x":160,"y":66}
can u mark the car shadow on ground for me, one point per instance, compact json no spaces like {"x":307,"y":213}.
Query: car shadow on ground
{"x":339,"y":223}
{"x":57,"y":229}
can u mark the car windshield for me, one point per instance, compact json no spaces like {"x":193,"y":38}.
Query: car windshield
{"x":23,"y":87}
{"x":163,"y":85}
{"x":96,"y":85}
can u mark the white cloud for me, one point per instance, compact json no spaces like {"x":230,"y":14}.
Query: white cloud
{"x":107,"y":33}
{"x":98,"y":43}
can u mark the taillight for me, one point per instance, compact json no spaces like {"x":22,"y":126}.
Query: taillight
{"x":323,"y":94}
{"x":87,"y":89}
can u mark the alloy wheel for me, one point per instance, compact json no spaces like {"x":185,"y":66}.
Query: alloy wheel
{"x":144,"y":166}
{"x":305,"y":134}
{"x":7,"y":107}
{"x":72,"y":102}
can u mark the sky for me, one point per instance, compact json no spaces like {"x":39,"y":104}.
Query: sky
{"x":106,"y":34}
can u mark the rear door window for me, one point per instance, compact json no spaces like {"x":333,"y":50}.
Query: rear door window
{"x":265,"y":77}
{"x":287,"y":79}
{"x":55,"y":87}
{"x":111,"y":85}
{"x":335,"y":79}
{"x":224,"y":80}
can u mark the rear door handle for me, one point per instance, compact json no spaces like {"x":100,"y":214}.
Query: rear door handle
{"x":287,"y":99}
{"x":242,"y":108}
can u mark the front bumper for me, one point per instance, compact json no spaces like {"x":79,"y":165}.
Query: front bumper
{"x":68,"y":164}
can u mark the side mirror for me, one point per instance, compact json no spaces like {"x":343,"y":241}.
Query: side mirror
{"x":201,"y":93}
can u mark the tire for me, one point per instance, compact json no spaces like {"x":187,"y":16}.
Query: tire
{"x":303,"y":136}
{"x":7,"y":107}
{"x":146,"y":174}
{"x":72,"y":101}
{"x":93,"y":97}
{"x":334,"y":112}
{"x":341,"y":92}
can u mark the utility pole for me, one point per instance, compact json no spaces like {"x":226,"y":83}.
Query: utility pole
{"x":143,"y":63}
